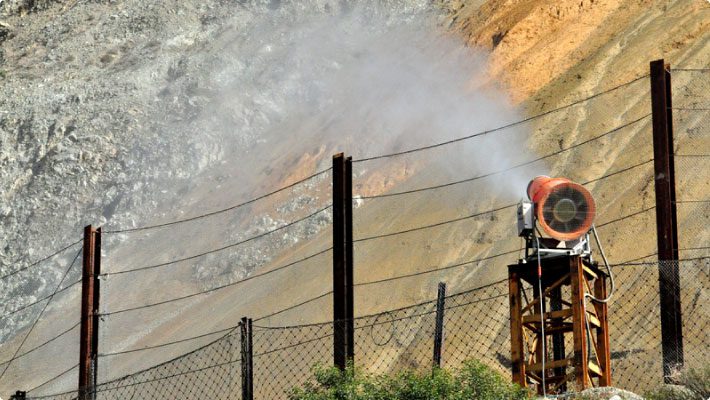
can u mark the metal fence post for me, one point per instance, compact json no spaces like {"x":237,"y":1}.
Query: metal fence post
{"x":243,"y":357}
{"x":250,"y":364}
{"x":349,"y":262}
{"x":439,"y":329}
{"x":339,"y":264}
{"x":666,"y":220}
{"x":90,"y":295}
{"x":247,"y":360}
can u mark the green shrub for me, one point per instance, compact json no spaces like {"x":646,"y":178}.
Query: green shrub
{"x":472,"y":381}
{"x":481,"y":382}
{"x":691,"y":384}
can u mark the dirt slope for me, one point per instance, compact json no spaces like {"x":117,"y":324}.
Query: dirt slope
{"x":536,"y":43}
{"x":544,"y":53}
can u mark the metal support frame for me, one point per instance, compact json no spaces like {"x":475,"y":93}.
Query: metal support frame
{"x":343,"y":310}
{"x":558,"y":339}
{"x":90,"y":296}
{"x":580,"y":362}
{"x":247,"y":359}
{"x":565,"y":312}
{"x":666,"y":219}
{"x":517,"y":342}
{"x":439,"y":328}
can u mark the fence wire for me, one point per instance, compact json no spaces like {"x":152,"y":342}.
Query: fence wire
{"x":476,"y":322}
{"x":691,"y":130}
{"x":476,"y":326}
{"x":396,"y":340}
{"x":210,"y":372}
{"x":284,"y":357}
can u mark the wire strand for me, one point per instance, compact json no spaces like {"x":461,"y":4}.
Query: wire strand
{"x":621,"y":171}
{"x":510,"y":125}
{"x":32,"y":327}
{"x":695,"y":248}
{"x":449,"y":296}
{"x":219,"y":287}
{"x":43,"y":259}
{"x":634,"y":259}
{"x":34,"y":303}
{"x":419,"y":228}
{"x":261,"y":235}
{"x":51,"y":380}
{"x":43,"y":344}
{"x":209,"y":214}
{"x":657,"y":261}
{"x":487,"y":175}
{"x":294,"y":306}
{"x":115,"y":353}
{"x":437,"y":269}
{"x":691,"y":69}
{"x":626,"y":216}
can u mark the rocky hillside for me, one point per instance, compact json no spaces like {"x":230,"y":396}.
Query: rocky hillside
{"x":128,"y":113}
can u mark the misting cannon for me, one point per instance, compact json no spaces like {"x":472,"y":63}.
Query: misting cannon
{"x":564,"y":210}
{"x":558,"y":294}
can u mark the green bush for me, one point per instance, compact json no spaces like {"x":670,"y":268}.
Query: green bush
{"x":472,"y":381}
{"x":691,"y":384}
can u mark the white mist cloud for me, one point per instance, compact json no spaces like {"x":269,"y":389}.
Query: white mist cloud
{"x":367,"y":83}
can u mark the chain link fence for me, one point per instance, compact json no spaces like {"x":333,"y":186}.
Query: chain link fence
{"x":476,"y":326}
{"x":634,"y":321}
{"x":691,"y":129}
{"x":284,"y":356}
{"x":209,"y":372}
{"x":476,"y":321}
{"x":396,"y":340}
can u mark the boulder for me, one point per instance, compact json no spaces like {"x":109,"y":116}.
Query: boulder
{"x":602,"y":393}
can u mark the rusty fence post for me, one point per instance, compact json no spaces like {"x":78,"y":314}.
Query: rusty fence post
{"x":666,"y":219}
{"x":343,"y":310}
{"x":339,"y":275}
{"x":349,"y":262}
{"x":247,"y":359}
{"x":90,"y":295}
{"x":250,"y":364}
{"x":439,"y":328}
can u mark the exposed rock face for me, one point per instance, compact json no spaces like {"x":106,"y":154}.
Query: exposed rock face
{"x":10,"y":7}
{"x":110,"y":111}
{"x":131,"y":112}
{"x":102,"y":116}
{"x":73,"y":108}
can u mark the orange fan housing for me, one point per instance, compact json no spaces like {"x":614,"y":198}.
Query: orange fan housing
{"x":564,"y":209}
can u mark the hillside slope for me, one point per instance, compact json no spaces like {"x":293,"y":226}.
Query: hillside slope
{"x":129,"y":113}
